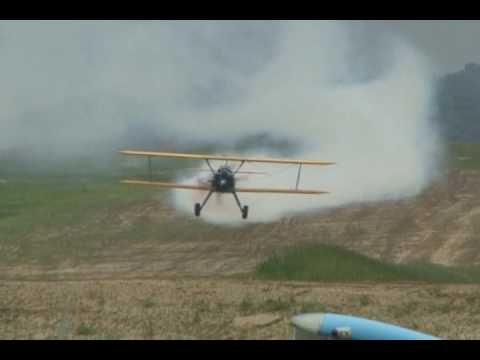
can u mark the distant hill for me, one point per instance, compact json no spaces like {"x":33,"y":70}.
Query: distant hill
{"x":459,"y":104}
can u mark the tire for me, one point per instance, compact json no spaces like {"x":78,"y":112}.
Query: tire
{"x":197,"y":209}
{"x":245,"y":212}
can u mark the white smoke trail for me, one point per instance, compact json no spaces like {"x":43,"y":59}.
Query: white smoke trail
{"x":378,"y":131}
{"x":71,"y":88}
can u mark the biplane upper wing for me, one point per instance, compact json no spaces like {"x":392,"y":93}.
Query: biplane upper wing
{"x":223,"y":157}
{"x":207,"y":188}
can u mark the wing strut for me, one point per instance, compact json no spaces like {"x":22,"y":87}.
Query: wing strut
{"x":298,"y":176}
{"x":210,"y":166}
{"x":150,"y":168}
{"x":239,"y":166}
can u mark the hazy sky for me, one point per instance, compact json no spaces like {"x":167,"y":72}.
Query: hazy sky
{"x":449,"y":44}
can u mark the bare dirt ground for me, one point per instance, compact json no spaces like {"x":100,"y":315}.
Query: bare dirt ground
{"x":441,"y":225}
{"x":178,"y":284}
{"x":222,"y":309}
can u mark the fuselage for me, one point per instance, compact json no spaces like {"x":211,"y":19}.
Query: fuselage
{"x":223,"y":180}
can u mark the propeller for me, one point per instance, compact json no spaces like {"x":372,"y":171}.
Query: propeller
{"x":219,"y":197}
{"x":202,"y":181}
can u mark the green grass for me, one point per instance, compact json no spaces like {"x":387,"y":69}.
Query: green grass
{"x":86,"y":328}
{"x":331,"y":264}
{"x":465,"y":155}
{"x":39,"y":209}
{"x":47,"y":218}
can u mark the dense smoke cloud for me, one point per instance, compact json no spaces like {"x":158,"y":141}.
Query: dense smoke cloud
{"x":75,"y":88}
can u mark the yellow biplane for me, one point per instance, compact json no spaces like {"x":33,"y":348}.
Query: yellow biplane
{"x":223,"y":179}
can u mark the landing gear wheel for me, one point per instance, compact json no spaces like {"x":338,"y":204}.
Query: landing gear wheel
{"x":197,"y":209}
{"x":245,"y":212}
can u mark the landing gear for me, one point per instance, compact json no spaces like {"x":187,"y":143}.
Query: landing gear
{"x":245,"y":212}
{"x":197,"y":209}
{"x":243,"y":209}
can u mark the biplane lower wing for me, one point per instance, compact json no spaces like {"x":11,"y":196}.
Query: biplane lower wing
{"x":281,"y":191}
{"x":166,"y":185}
{"x":207,"y":188}
{"x":223,"y":158}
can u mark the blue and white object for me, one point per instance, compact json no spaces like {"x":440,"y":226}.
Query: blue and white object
{"x":335,"y":326}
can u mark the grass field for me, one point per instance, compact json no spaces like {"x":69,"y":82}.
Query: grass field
{"x":47,"y":220}
{"x":325,"y":263}
{"x":75,"y":216}
{"x":41,"y":214}
{"x":465,"y":155}
{"x":78,"y":211}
